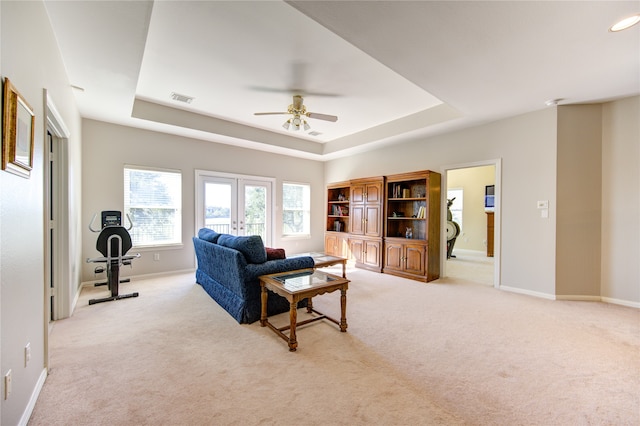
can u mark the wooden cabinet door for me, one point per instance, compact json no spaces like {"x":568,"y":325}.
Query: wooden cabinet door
{"x":331,"y":244}
{"x":358,"y":194}
{"x":356,"y":247}
{"x":374,"y":192}
{"x":336,"y":245}
{"x":373,"y":222}
{"x":415,"y":258}
{"x":372,"y":253}
{"x":393,"y":256}
{"x":357,"y":217}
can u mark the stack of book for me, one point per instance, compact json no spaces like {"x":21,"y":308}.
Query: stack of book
{"x":339,"y":210}
{"x":422,"y":213}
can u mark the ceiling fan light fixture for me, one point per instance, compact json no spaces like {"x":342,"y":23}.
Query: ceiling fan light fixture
{"x":306,"y":126}
{"x":287,"y":124}
{"x":625,"y":23}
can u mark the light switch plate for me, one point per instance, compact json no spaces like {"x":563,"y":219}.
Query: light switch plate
{"x":544,"y":204}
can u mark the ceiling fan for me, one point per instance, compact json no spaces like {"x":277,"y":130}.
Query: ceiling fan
{"x":298,"y":110}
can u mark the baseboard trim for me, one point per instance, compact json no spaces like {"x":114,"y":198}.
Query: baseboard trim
{"x":528,"y":292}
{"x":143,"y":276}
{"x":621,"y":302}
{"x":24,"y":420}
{"x":579,"y":298}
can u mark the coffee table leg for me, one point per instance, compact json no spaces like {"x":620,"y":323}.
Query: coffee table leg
{"x":309,"y":305}
{"x":343,"y":309}
{"x":293,"y":319}
{"x":344,"y":269}
{"x":263,"y":306}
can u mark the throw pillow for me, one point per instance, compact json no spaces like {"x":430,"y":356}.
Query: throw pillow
{"x":275,"y":253}
{"x":208,"y":235}
{"x":251,"y":247}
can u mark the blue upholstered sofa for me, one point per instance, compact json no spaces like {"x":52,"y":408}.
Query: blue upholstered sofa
{"x":229,"y":268}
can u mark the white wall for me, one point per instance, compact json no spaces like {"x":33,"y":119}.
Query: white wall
{"x":527,"y":146}
{"x":30,"y":59}
{"x":620,"y":267}
{"x":107,"y":147}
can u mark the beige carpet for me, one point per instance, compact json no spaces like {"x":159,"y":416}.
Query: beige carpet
{"x":452,"y":352}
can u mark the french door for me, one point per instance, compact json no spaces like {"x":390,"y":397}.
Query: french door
{"x":236,"y":205}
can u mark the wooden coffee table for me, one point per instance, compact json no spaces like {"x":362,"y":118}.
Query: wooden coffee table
{"x":299,"y":285}
{"x":321,"y":260}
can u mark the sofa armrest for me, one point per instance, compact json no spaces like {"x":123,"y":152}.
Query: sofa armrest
{"x":255,"y":270}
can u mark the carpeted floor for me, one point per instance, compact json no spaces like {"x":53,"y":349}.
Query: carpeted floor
{"x":450,"y":352}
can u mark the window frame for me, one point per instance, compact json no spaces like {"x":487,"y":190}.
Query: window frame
{"x":302,"y":235}
{"x":458,"y":202}
{"x":177,"y":242}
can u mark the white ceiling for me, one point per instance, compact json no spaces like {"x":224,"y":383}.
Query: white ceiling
{"x":390,"y":70}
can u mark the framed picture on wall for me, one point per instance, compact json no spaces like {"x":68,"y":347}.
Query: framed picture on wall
{"x":17,"y":132}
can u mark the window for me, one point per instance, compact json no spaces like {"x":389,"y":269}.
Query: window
{"x":153,"y":200}
{"x":296,"y":209}
{"x":456,"y":207}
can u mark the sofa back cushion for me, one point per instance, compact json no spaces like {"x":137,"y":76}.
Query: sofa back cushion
{"x":208,"y":235}
{"x":251,"y":246}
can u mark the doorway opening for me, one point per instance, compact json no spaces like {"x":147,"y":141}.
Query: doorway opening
{"x":474,"y":252}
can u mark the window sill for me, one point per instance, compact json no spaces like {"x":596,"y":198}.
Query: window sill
{"x":176,"y":246}
{"x":296,"y":237}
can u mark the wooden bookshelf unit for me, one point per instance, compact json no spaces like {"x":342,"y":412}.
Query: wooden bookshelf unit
{"x":412,"y":225}
{"x":392,"y":224}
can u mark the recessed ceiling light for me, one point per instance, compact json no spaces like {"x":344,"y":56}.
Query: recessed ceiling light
{"x":625,"y":23}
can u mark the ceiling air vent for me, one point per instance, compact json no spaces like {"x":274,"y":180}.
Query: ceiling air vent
{"x":181,"y":98}
{"x":314,"y":133}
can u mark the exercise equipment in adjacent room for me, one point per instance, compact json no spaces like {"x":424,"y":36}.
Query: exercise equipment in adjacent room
{"x":114,"y":241}
{"x":453,"y":230}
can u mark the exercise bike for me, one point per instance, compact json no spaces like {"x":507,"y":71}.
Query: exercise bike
{"x":113,"y":243}
{"x":453,"y":230}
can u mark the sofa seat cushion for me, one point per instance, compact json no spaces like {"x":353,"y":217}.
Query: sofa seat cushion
{"x":251,"y":246}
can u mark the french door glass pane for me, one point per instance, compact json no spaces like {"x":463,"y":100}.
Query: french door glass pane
{"x":218,"y":207}
{"x":255,"y":210}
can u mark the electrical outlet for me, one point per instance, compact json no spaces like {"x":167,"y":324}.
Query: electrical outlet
{"x":156,"y":256}
{"x":7,"y":385}
{"x":27,"y":354}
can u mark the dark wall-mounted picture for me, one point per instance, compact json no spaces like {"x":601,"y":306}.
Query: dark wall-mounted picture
{"x":17,"y":132}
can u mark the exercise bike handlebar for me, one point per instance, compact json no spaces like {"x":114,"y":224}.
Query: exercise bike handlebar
{"x":100,"y":229}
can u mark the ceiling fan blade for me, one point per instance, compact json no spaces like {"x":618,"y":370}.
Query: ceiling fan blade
{"x":325,"y":117}
{"x":269,"y":113}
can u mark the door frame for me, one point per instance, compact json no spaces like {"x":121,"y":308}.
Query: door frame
{"x":199,"y":198}
{"x":60,"y":255}
{"x":497,"y":246}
